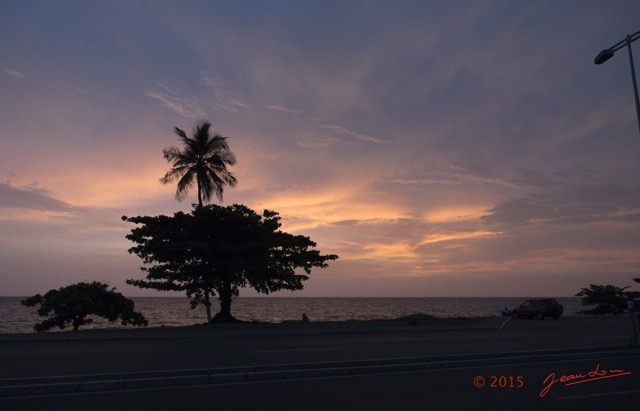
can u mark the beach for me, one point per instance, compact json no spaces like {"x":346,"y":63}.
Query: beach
{"x":175,"y":311}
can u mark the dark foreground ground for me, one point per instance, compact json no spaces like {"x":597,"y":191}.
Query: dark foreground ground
{"x":587,"y":363}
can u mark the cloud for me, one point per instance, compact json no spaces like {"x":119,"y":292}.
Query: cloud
{"x":189,"y":107}
{"x":341,"y":131}
{"x":440,"y":237}
{"x":13,"y":73}
{"x":281,"y":109}
{"x":225,"y":96}
{"x":30,"y":198}
{"x":455,"y":213}
{"x":577,"y":204}
{"x":319,"y":139}
{"x":456,"y":179}
{"x":316,"y":141}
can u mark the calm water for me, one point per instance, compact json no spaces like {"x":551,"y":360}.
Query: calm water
{"x":175,"y":311}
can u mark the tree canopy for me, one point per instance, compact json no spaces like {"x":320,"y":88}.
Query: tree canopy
{"x":216,"y":250}
{"x":634,"y":294}
{"x":202,"y":161}
{"x":608,"y":299}
{"x":74,"y":303}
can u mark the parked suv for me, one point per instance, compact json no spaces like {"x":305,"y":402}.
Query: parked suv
{"x":538,"y":308}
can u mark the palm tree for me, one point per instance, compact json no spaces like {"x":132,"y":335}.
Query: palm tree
{"x":203,"y":161}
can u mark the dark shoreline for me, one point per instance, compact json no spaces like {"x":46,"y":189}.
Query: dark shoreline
{"x":409,"y":321}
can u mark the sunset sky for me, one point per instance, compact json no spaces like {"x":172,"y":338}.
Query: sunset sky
{"x":440,"y":148}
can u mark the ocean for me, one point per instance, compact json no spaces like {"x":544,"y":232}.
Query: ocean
{"x":176,"y":311}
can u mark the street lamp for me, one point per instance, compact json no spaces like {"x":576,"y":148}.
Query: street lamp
{"x":603,"y":56}
{"x":606,"y":54}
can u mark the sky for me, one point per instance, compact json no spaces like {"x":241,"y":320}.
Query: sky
{"x":440,"y":148}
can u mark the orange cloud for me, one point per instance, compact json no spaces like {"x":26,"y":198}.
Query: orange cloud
{"x":98,"y":187}
{"x":303,"y":210}
{"x":27,"y":215}
{"x":398,"y":251}
{"x":436,"y":238}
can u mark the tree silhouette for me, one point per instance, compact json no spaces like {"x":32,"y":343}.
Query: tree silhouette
{"x":608,"y":299}
{"x":202,"y":161}
{"x":74,"y":303}
{"x":217,"y":250}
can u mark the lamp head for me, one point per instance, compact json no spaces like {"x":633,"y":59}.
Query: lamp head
{"x":603,"y":56}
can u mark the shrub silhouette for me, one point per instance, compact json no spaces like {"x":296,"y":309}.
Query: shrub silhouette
{"x":608,"y":299}
{"x":74,"y":303}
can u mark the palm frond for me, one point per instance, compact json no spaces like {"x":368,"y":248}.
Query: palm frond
{"x":185,"y":184}
{"x":174,"y":174}
{"x":170,"y":153}
{"x":181,"y":134}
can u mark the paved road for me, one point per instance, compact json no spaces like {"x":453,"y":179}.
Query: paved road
{"x":55,"y":355}
{"x":453,"y":389}
{"x":80,"y":354}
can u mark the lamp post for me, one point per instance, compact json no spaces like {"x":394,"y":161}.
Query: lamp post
{"x":603,"y":56}
{"x":606,"y":54}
